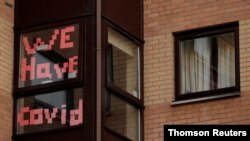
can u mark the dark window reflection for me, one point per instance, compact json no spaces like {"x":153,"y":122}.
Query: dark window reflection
{"x":123,"y":118}
{"x":50,"y":111}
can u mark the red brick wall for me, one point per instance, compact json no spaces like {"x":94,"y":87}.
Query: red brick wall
{"x":161,"y":18}
{"x":6,"y":70}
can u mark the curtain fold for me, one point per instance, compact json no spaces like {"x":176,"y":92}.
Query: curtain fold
{"x":226,"y":61}
{"x":195,"y":64}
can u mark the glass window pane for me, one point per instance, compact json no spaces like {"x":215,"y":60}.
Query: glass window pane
{"x":123,"y":66}
{"x":207,"y":63}
{"x":49,"y":111}
{"x":49,"y":55}
{"x":122,"y":118}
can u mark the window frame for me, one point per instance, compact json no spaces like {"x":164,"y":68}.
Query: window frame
{"x":110,"y":78}
{"x":136,"y":102}
{"x":232,"y":27}
{"x":16,"y":134}
{"x":78,"y":81}
{"x":74,"y":83}
{"x":138,"y":119}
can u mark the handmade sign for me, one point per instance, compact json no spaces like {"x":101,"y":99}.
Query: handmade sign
{"x":43,"y":116}
{"x":49,"y":55}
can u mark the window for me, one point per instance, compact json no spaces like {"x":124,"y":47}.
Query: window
{"x":123,"y":63}
{"x":48,"y":87}
{"x":123,"y":98}
{"x":50,"y":111}
{"x":123,"y":118}
{"x":49,"y":55}
{"x":207,"y":61}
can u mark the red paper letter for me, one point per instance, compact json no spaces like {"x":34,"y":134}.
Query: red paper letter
{"x":54,"y":37}
{"x":26,"y":44}
{"x":73,"y":61}
{"x":39,"y":113}
{"x":63,"y":115}
{"x":76,"y":117}
{"x":38,"y":42}
{"x":59,"y":70}
{"x":20,"y":117}
{"x":46,"y":68}
{"x":26,"y":68}
{"x":50,"y":117}
{"x":65,"y":37}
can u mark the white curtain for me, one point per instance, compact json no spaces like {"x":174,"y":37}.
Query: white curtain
{"x":196,"y":70}
{"x":195,"y":58}
{"x":226,"y":61}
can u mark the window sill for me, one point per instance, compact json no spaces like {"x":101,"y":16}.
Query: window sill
{"x":181,"y":102}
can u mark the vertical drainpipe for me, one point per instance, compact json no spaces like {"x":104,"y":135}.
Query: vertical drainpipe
{"x":98,"y":71}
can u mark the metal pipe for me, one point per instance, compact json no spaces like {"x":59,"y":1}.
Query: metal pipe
{"x":98,"y":71}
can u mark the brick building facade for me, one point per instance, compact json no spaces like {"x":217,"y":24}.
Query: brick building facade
{"x":6,"y":69}
{"x":162,"y":18}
